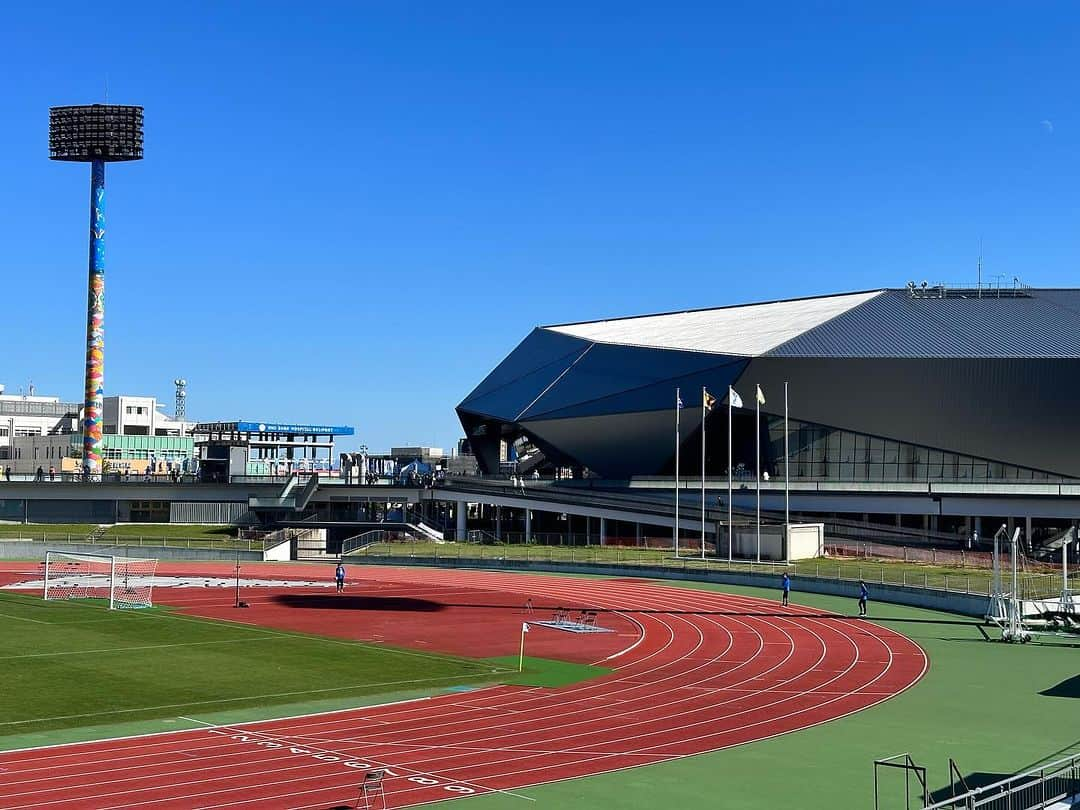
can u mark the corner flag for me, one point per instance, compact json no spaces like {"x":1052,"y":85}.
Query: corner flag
{"x":521,"y":654}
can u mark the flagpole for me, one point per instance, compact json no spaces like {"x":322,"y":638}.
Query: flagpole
{"x":787,"y":477}
{"x":703,"y":412}
{"x":757,"y":465}
{"x":730,"y":525}
{"x":678,"y":410}
{"x":521,"y":654}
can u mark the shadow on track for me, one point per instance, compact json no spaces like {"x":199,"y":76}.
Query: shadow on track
{"x":345,"y":601}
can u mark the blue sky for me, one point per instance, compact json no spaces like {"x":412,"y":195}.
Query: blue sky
{"x":351,"y":212}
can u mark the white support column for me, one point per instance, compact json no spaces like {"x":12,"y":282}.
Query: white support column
{"x":603,"y":530}
{"x":1027,"y":531}
{"x":528,"y":525}
{"x":462,"y":510}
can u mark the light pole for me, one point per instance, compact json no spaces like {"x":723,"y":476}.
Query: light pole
{"x":96,"y":134}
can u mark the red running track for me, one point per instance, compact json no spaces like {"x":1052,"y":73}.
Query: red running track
{"x":708,"y":671}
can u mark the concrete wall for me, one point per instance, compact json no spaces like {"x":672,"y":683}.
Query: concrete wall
{"x":964,"y":604}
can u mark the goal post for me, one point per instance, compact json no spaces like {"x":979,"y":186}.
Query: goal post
{"x":124,"y":582}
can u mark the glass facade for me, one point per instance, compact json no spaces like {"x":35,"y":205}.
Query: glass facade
{"x":829,"y":454}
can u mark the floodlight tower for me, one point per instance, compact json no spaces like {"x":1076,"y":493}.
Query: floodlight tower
{"x":96,"y":134}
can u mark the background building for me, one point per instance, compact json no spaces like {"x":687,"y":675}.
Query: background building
{"x":43,"y":431}
{"x":916,"y":384}
{"x":30,"y":415}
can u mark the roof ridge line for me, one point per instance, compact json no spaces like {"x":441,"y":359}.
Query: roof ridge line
{"x":715,"y":309}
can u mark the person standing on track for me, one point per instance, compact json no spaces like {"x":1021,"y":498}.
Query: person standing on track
{"x":864,"y":597}
{"x":785,"y":586}
{"x":339,"y":576}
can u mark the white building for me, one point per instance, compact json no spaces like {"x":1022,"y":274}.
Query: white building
{"x":140,"y":416}
{"x":25,"y":419}
{"x":24,"y":415}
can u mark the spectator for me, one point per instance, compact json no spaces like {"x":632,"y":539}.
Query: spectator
{"x":7,"y":473}
{"x":40,"y":474}
{"x":52,"y":473}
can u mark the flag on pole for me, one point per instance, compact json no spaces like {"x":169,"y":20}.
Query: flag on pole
{"x":708,"y":400}
{"x":734,"y":398}
{"x":678,"y":401}
{"x":760,"y":396}
{"x":524,"y":627}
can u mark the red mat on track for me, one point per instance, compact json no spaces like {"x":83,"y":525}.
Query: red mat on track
{"x":705,"y":671}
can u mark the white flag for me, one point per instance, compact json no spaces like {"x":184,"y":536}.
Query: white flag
{"x":734,"y":398}
{"x":524,"y":627}
{"x":760,"y":396}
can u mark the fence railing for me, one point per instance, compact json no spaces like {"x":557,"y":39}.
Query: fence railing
{"x":975,"y":581}
{"x":1037,"y":789}
{"x":225,"y":543}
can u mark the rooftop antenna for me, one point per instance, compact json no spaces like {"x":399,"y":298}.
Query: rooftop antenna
{"x":979,"y":294}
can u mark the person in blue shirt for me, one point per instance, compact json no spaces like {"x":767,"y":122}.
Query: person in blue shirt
{"x":339,"y":575}
{"x":785,"y":585}
{"x":864,"y":596}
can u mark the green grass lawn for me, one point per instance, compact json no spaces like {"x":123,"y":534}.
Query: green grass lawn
{"x":148,"y":534}
{"x":78,"y":531}
{"x":74,"y":664}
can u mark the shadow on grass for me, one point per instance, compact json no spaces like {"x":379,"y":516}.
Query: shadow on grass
{"x":974,"y":781}
{"x":345,"y":601}
{"x":1068,"y":688}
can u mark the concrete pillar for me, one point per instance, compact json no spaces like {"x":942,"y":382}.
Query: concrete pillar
{"x":603,"y":530}
{"x":978,"y":528}
{"x":899,"y":520}
{"x":637,"y":534}
{"x":528,"y":525}
{"x":1027,"y":531}
{"x":462,"y":510}
{"x":498,"y":523}
{"x":588,"y":530}
{"x":934,"y":522}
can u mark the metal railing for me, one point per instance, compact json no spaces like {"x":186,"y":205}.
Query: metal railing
{"x":67,"y":538}
{"x":1036,"y":789}
{"x":485,"y":548}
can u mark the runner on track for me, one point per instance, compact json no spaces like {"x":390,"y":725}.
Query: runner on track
{"x":339,"y":575}
{"x":785,"y":585}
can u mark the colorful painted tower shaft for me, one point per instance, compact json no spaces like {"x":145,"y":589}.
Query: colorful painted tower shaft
{"x":94,"y":388}
{"x":96,"y":134}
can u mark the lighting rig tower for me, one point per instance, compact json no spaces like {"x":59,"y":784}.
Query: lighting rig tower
{"x":180,"y":412}
{"x":96,"y":134}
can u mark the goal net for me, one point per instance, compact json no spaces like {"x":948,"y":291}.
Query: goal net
{"x":125,"y":582}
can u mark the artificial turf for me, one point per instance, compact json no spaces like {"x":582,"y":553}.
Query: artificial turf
{"x":76,"y":664}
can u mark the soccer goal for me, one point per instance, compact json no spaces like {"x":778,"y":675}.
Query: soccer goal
{"x":126,"y":582}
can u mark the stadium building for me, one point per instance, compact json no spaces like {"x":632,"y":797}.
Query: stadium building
{"x":917,"y":384}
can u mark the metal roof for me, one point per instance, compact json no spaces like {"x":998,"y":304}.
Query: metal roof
{"x":746,"y":331}
{"x":1041,"y":324}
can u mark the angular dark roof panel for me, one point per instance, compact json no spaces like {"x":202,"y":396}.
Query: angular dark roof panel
{"x":1039,"y":323}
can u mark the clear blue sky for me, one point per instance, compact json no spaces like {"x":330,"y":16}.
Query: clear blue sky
{"x":351,"y":212}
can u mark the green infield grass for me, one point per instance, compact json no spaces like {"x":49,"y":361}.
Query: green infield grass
{"x":67,"y":665}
